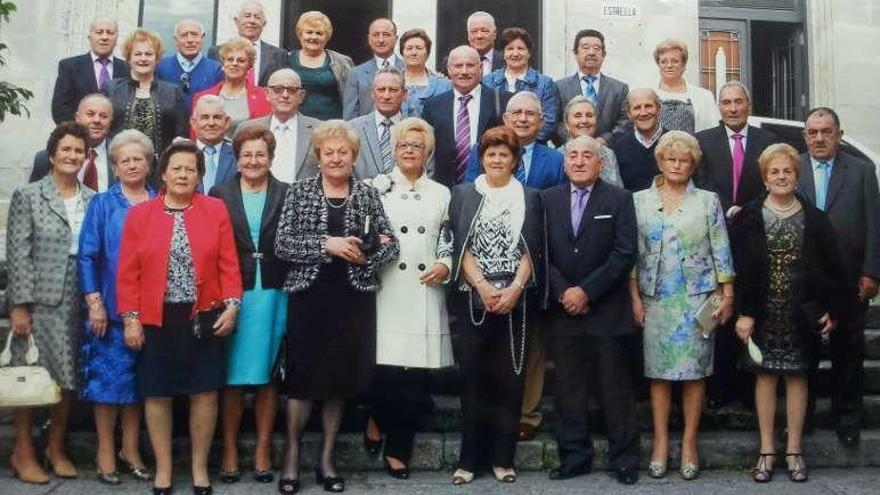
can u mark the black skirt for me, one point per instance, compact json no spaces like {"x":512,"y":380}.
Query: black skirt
{"x":173,"y":362}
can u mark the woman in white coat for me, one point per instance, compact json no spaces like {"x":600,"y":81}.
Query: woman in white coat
{"x":412,"y":329}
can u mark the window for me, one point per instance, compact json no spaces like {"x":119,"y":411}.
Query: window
{"x":161,"y":15}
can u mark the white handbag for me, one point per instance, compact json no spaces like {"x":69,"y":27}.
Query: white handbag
{"x":26,"y":386}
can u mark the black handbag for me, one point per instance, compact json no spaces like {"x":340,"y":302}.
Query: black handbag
{"x":279,"y":368}
{"x":498,"y":280}
{"x":203,"y":323}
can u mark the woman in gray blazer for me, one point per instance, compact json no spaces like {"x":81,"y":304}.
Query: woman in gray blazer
{"x":42,"y":240}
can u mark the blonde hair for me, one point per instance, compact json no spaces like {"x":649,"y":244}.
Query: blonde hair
{"x":678,"y":141}
{"x":314,"y":18}
{"x":335,"y":128}
{"x":779,"y":150}
{"x":238,"y":44}
{"x":668,"y":45}
{"x":139,"y":35}
{"x":414,"y":124}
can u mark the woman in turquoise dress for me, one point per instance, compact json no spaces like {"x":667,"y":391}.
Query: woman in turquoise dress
{"x":323,"y":72}
{"x":254,"y":200}
{"x":684,"y":258}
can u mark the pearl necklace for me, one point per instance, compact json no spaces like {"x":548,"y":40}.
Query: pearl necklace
{"x":780,"y":208}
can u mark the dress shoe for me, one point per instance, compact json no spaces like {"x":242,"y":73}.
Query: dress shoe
{"x":108,"y":478}
{"x":657,"y":469}
{"x":136,"y":472}
{"x":504,"y":475}
{"x":202,"y":490}
{"x":628,"y":476}
{"x":565,"y":473}
{"x":32,"y":473}
{"x":526,"y":432}
{"x":849,"y":437}
{"x":166,"y":490}
{"x":62,"y":468}
{"x":689,"y":471}
{"x":399,"y":473}
{"x":462,"y":477}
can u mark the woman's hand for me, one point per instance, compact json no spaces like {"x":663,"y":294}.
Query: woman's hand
{"x":347,"y":248}
{"x":225,"y":323}
{"x":435,"y":275}
{"x":488,"y":294}
{"x":744,"y":327}
{"x":507,"y":300}
{"x":725,"y":309}
{"x":134,"y":334}
{"x":20,"y":318}
{"x":97,"y":314}
{"x":827,"y":324}
{"x":638,"y":308}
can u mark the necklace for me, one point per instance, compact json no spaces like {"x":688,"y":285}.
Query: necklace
{"x":781,"y":208}
{"x":331,"y":205}
{"x":174,"y":207}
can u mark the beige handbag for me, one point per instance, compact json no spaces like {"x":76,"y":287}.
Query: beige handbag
{"x":24,"y":386}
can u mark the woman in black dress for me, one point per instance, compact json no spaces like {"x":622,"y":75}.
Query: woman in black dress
{"x":789,"y":290}
{"x":334,"y":233}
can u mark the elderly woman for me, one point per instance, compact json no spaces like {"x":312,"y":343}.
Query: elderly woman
{"x":498,"y":235}
{"x":143,"y":102}
{"x":242,"y":99}
{"x":323,"y":71}
{"x":108,"y":364}
{"x":789,"y":292}
{"x":421,"y":82}
{"x":580,"y":119}
{"x":412,"y":328}
{"x":517,"y":76}
{"x":334,"y":232}
{"x":682,"y":107}
{"x":684,"y":259}
{"x":178,"y":292}
{"x":42,"y":242}
{"x":254,"y":200}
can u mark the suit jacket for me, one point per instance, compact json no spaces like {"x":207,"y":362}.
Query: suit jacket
{"x":545,"y":170}
{"x":76,"y":79}
{"x":715,"y":172}
{"x":438,"y":111}
{"x":272,"y":58}
{"x":38,"y":243}
{"x":358,"y":93}
{"x":305,"y":161}
{"x":272,"y":270}
{"x":227,"y":166}
{"x":612,"y":107}
{"x":42,"y":167}
{"x":853,"y":206}
{"x":597,"y":258}
{"x":369,"y":160}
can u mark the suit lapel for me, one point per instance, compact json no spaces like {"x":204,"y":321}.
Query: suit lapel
{"x":805,"y":181}
{"x":87,"y":68}
{"x":725,"y":172}
{"x":303,"y":141}
{"x":835,"y":184}
{"x":237,"y":215}
{"x":373,"y":142}
{"x":264,"y":67}
{"x":487,"y":97}
{"x":605,"y":87}
{"x":225,"y":167}
{"x":592,"y":201}
{"x":53,"y":199}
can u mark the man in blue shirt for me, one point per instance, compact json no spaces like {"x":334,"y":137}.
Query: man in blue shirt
{"x":189,"y":68}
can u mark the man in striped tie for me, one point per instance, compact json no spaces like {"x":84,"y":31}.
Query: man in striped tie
{"x":374,"y":128}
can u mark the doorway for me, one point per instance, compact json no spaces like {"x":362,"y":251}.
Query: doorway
{"x":351,"y":22}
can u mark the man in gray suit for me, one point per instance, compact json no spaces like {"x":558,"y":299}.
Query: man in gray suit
{"x":357,"y":97}
{"x":294,"y":157}
{"x":845,"y":187}
{"x":607,"y":94}
{"x":376,"y":156}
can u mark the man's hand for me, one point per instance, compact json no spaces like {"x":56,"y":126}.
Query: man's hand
{"x":575,"y":301}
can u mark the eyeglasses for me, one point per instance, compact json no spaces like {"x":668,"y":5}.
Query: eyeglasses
{"x":410,"y":146}
{"x":280,"y":90}
{"x":530,"y":114}
{"x":184,"y":82}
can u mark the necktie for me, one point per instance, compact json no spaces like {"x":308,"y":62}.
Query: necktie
{"x":577,"y":209}
{"x":462,"y":138}
{"x":590,"y":90}
{"x":739,"y":156}
{"x":484,"y":62}
{"x":104,"y":75}
{"x":90,"y":177}
{"x":822,"y":184}
{"x":210,"y":168}
{"x":385,"y":145}
{"x":521,"y":169}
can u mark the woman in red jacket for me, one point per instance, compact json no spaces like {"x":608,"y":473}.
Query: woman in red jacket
{"x":178,"y":291}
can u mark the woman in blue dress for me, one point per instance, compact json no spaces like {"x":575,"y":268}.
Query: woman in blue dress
{"x":108,"y":364}
{"x":253,"y":199}
{"x":421,"y":83}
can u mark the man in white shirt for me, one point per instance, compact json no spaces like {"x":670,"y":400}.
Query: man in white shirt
{"x":376,"y":155}
{"x":250,"y":21}
{"x":357,"y":96}
{"x":209,"y":121}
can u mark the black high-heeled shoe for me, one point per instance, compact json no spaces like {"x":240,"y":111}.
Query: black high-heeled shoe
{"x":372,"y":446}
{"x":399,"y":473}
{"x":138,"y":473}
{"x":335,"y":484}
{"x":288,"y":486}
{"x":163,"y":490}
{"x":202,"y":490}
{"x":266,"y":476}
{"x":230,"y":477}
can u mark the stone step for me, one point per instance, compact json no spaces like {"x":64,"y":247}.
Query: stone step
{"x":872,"y":343}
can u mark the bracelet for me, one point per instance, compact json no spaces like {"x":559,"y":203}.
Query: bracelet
{"x":131,"y":315}
{"x":514,"y":282}
{"x":727,"y":296}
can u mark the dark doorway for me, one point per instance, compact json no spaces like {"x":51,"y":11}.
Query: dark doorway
{"x":351,"y":20}
{"x":779,"y":70}
{"x":452,"y":22}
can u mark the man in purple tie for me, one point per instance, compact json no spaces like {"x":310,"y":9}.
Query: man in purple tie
{"x":591,"y":248}
{"x":87,"y":73}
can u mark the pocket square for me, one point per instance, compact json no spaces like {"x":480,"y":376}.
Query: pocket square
{"x":601,"y":217}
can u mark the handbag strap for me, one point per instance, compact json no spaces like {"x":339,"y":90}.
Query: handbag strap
{"x":31,"y":357}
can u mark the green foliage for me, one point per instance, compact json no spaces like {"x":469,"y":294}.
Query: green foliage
{"x":12,"y":97}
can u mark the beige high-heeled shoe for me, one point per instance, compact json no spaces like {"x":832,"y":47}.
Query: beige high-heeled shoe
{"x":32,"y":473}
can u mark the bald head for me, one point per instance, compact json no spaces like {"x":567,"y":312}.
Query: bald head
{"x":285,"y":93}
{"x":96,"y":113}
{"x":464,"y":68}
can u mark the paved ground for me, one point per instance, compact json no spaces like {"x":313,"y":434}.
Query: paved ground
{"x":823,"y":481}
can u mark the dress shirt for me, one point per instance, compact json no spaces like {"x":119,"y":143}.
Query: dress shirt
{"x":527,"y":153}
{"x":379,"y":119}
{"x":284,"y":166}
{"x":186,"y":64}
{"x":257,"y":61}
{"x":647,"y":143}
{"x":210,"y":181}
{"x":817,"y":174}
{"x":732,"y":142}
{"x":379,"y":60}
{"x":596,"y":83}
{"x":486,"y":61}
{"x":96,"y":66}
{"x":100,"y":166}
{"x":473,"y":110}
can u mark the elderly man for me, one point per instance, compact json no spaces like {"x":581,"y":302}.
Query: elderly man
{"x":376,"y":156}
{"x":95,"y":112}
{"x":608,"y":95}
{"x":358,"y":96}
{"x":591,"y":248}
{"x":88,"y":73}
{"x":730,"y":168}
{"x":188,"y":68}
{"x":845,"y":188}
{"x":250,"y":21}
{"x":635,"y":149}
{"x":460,"y":116}
{"x":209,"y":121}
{"x":294,"y":157}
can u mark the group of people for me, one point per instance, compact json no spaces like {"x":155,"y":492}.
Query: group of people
{"x":490,"y":219}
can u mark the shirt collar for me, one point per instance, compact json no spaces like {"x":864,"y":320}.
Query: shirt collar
{"x":95,"y":57}
{"x":474,"y":92}
{"x":647,"y":143}
{"x":188,"y":64}
{"x":814,"y":162}
{"x":290,"y":123}
{"x":573,"y":188}
{"x":379,"y":118}
{"x":581,"y":76}
{"x":730,"y":132}
{"x":379,"y":60}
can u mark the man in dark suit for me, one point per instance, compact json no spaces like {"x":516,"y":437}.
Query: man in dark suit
{"x":88,"y":73}
{"x":607,"y":94}
{"x":95,"y":112}
{"x":460,"y":116}
{"x":209,"y":121}
{"x":481,"y":34}
{"x":358,"y":95}
{"x":635,"y":147}
{"x":730,"y":168}
{"x":591,"y":248}
{"x":845,"y":188}
{"x":250,"y":21}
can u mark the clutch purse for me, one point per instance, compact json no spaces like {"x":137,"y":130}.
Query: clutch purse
{"x":755,"y":352}
{"x":203,"y":323}
{"x":499,"y":280}
{"x":704,"y":315}
{"x":279,"y":368}
{"x":26,"y":386}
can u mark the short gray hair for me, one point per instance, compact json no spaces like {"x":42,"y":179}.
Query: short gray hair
{"x":95,"y":97}
{"x":588,"y":141}
{"x":131,"y":136}
{"x":642,"y":90}
{"x":577,"y":100}
{"x":248,"y":3}
{"x":480,"y":14}
{"x":104,"y":20}
{"x":735,"y":84}
{"x":524,"y":95}
{"x":209,"y":100}
{"x":188,"y":21}
{"x":393,"y":71}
